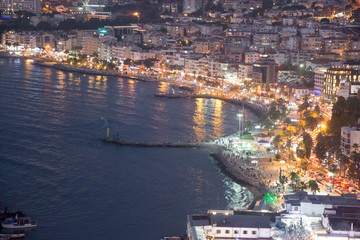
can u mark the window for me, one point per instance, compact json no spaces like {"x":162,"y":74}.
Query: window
{"x":227,"y":231}
{"x":254,"y":232}
{"x":236,"y":231}
{"x":218,"y":231}
{"x":244,"y":232}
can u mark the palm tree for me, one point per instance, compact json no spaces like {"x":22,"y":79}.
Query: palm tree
{"x":314,"y":187}
{"x":302,"y":186}
{"x":283,"y":179}
{"x":294,"y":177}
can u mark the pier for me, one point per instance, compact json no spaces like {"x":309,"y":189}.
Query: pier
{"x":158,"y":144}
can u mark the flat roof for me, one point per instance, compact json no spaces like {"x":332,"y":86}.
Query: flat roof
{"x":247,"y":221}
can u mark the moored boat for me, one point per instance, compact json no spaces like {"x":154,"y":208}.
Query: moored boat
{"x":12,"y":236}
{"x":18,"y":223}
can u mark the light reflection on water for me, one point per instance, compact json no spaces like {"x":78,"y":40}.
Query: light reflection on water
{"x":50,"y":146}
{"x":218,"y":119}
{"x":199,"y":120}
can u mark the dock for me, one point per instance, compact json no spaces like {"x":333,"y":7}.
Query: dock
{"x":158,"y":144}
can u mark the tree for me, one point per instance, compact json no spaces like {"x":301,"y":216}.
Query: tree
{"x":42,"y":25}
{"x":148,"y":63}
{"x":276,"y":141}
{"x":16,"y":45}
{"x":302,"y":186}
{"x":311,"y":123}
{"x":314,"y":187}
{"x":305,"y":105}
{"x":308,"y":143}
{"x":283,"y":180}
{"x":128,"y":61}
{"x":287,"y":121}
{"x":248,"y":125}
{"x":325,"y":21}
{"x":265,"y":122}
{"x":344,"y":162}
{"x":355,"y":146}
{"x":294,"y":177}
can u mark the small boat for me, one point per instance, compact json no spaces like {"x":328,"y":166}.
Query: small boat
{"x":18,"y":223}
{"x":12,"y":236}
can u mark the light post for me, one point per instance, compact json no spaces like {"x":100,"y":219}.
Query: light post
{"x":240,"y":115}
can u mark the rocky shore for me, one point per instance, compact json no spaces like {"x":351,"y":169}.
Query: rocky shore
{"x":257,"y":188}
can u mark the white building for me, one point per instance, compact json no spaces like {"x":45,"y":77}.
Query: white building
{"x":190,"y":6}
{"x":300,"y":92}
{"x":222,"y":226}
{"x":33,"y":6}
{"x":245,"y":71}
{"x":314,"y":205}
{"x":319,"y":79}
{"x":349,"y":136}
{"x":349,"y":90}
{"x":251,"y":57}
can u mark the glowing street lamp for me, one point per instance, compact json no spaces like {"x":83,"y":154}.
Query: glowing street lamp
{"x":240,"y":115}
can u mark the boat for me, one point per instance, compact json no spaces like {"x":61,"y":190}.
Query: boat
{"x":171,"y":238}
{"x":18,"y":223}
{"x":12,"y":236}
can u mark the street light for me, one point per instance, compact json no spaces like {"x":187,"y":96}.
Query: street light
{"x":240,"y":115}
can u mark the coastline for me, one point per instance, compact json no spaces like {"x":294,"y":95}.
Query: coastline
{"x":234,"y":173}
{"x":216,"y":151}
{"x":230,"y":168}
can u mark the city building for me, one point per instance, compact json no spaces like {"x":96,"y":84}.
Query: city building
{"x":90,"y":45}
{"x":33,"y":6}
{"x":342,"y":222}
{"x":190,"y":6}
{"x":300,"y":92}
{"x":227,"y":226}
{"x":314,"y":205}
{"x":319,"y":80}
{"x":265,"y":71}
{"x":349,"y":136}
{"x":349,"y":89}
{"x":335,"y":76}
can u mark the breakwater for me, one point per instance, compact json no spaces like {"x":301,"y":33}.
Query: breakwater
{"x":258,"y":109}
{"x":227,"y":166}
{"x":155,"y":144}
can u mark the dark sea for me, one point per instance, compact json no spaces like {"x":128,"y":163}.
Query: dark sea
{"x":77,"y":187}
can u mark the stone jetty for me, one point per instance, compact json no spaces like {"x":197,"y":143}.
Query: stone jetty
{"x":156,"y":144}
